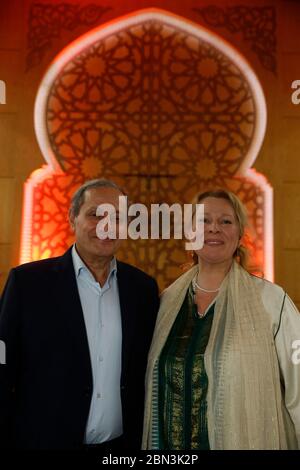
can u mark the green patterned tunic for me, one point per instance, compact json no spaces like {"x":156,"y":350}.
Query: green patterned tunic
{"x":182,"y":421}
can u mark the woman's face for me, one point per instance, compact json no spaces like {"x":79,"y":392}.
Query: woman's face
{"x":221,"y":232}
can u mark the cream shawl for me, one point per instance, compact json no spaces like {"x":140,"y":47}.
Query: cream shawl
{"x":245,"y":409}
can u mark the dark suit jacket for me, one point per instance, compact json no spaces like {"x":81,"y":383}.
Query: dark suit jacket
{"x":46,"y":384}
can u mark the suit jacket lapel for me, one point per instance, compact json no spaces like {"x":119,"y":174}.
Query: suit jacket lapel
{"x":71,"y":310}
{"x":128,"y":305}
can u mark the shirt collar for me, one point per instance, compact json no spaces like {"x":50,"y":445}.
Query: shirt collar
{"x":80,"y":266}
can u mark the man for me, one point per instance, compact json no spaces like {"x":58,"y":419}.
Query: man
{"x":77,"y":330}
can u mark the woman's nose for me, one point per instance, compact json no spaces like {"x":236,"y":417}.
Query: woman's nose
{"x":214,"y":227}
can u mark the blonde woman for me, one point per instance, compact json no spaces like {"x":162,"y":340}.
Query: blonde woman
{"x":221,"y":373}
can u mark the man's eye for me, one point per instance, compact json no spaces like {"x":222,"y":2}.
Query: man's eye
{"x":227,"y":221}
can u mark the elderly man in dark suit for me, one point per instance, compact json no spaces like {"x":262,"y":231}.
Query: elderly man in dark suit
{"x":77,"y":330}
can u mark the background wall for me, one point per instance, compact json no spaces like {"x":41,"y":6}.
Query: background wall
{"x":265,"y":32}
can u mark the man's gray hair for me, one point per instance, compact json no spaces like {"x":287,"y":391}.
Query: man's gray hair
{"x":78,"y":197}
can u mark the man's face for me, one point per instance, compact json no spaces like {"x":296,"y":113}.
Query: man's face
{"x":84,"y":224}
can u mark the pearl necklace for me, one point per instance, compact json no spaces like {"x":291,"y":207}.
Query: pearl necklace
{"x":196,"y":286}
{"x":209,"y":291}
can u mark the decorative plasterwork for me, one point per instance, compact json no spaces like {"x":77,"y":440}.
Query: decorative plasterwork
{"x":46,"y":21}
{"x":257,"y":25}
{"x":160,"y":105}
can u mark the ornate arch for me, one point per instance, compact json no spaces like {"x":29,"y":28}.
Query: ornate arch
{"x":165,"y":108}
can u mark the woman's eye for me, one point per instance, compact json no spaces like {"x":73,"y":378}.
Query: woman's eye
{"x":226,"y":221}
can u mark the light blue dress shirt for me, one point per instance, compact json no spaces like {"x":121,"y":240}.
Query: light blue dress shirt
{"x":102,"y":316}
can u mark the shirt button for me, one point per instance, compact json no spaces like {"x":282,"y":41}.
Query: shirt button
{"x":100,"y":358}
{"x":98,"y":395}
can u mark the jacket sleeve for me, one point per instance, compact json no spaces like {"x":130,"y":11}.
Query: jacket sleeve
{"x":287,"y":341}
{"x":9,"y":332}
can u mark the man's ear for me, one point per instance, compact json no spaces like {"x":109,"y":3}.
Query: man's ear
{"x":72,"y":221}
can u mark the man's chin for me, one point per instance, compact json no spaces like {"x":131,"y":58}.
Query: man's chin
{"x":106,"y":247}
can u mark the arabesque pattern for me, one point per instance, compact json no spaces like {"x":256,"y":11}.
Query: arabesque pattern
{"x":163,"y":113}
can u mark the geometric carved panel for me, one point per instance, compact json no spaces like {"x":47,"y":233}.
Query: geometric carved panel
{"x":162,"y":107}
{"x":257,"y":25}
{"x":46,"y":21}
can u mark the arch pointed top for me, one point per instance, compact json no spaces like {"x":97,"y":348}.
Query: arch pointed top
{"x":129,"y":21}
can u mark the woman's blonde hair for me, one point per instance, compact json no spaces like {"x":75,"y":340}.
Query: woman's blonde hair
{"x":241,"y":253}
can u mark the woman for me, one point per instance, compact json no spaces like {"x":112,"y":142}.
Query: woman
{"x":220,"y":372}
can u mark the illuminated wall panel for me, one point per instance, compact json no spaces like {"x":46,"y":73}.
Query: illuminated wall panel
{"x":165,"y":108}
